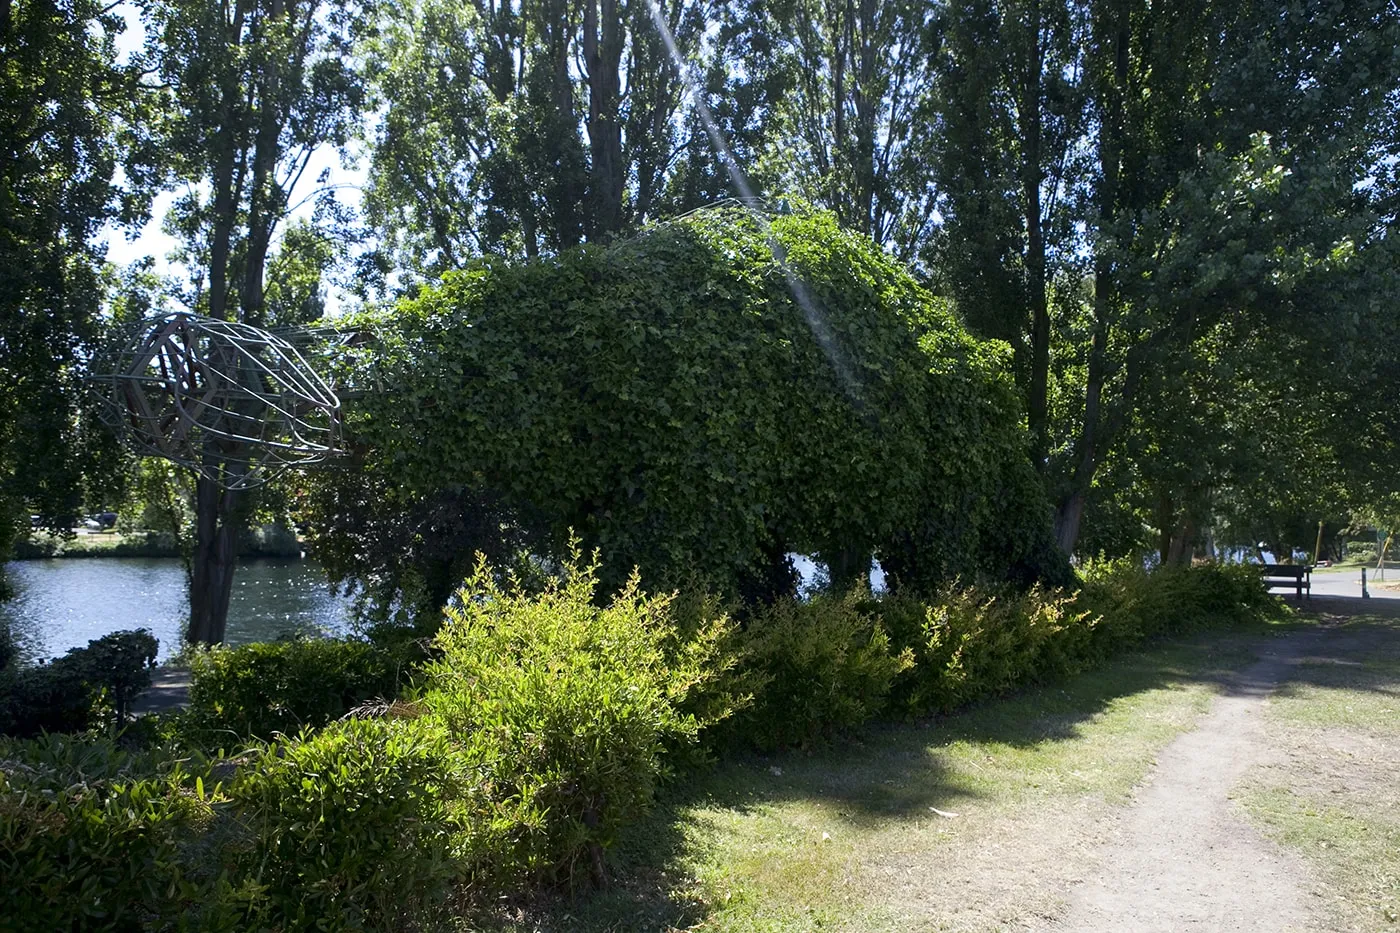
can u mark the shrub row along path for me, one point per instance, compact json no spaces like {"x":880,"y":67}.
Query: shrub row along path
{"x":1184,"y":856}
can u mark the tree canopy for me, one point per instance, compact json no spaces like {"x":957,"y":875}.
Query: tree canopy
{"x":1180,"y":218}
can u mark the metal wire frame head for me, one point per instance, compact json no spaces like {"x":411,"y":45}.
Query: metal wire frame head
{"x":232,"y":402}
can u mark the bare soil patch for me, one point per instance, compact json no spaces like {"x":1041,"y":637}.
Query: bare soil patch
{"x":1183,"y":856}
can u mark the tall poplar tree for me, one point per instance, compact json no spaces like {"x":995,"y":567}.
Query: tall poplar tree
{"x":848,"y":133}
{"x":520,"y":129}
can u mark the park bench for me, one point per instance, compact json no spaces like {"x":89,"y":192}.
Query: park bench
{"x":1297,"y":577}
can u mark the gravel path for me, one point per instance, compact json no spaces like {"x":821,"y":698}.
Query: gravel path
{"x":1182,"y":857}
{"x":169,"y":689}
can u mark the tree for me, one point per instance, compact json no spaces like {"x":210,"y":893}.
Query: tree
{"x":253,"y":89}
{"x":666,"y":399}
{"x":66,"y":111}
{"x":1008,"y":121}
{"x":1201,"y":165}
{"x":519,"y":130}
{"x":847,"y":132}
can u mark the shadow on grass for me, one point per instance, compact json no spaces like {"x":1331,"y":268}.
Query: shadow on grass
{"x":889,"y":772}
{"x":1351,"y":653}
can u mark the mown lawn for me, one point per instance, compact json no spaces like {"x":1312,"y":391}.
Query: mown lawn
{"x":1332,"y":788}
{"x":971,"y":822}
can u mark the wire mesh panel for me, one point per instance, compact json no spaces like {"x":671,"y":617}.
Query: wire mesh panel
{"x":231,"y":401}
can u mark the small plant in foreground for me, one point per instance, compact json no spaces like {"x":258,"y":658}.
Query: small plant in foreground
{"x":821,"y":667}
{"x":563,"y":709}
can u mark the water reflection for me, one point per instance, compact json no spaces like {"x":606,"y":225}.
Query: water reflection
{"x":61,"y":604}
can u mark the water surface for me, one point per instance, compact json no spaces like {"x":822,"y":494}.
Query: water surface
{"x":62,"y":604}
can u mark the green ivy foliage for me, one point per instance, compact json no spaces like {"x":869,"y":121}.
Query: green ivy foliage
{"x":671,"y":399}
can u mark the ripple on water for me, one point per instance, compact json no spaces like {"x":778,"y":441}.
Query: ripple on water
{"x":62,"y":604}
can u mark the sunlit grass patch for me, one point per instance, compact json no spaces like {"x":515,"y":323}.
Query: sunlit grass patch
{"x":1353,"y":845}
{"x":1331,"y":792}
{"x":968,"y":822}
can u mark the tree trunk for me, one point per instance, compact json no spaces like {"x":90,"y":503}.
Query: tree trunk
{"x":1070,"y":512}
{"x":566,"y":196}
{"x":1038,"y":395}
{"x":602,"y":55}
{"x":215,"y":557}
{"x":869,"y":58}
{"x":1111,"y":139}
{"x":1182,"y":546}
{"x":848,"y":567}
{"x":1166,"y":525}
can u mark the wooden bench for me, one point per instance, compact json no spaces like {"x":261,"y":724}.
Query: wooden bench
{"x":1297,"y":577}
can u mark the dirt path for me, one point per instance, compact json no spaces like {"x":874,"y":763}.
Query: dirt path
{"x":169,"y":689}
{"x":1182,"y":857}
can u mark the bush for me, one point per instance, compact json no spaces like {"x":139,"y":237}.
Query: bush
{"x":345,"y":829}
{"x":46,"y":697}
{"x":1362,"y":550}
{"x":820,"y":667}
{"x":974,"y":642}
{"x":562,"y":710}
{"x":280,"y":687}
{"x":1135,"y":605}
{"x":669,"y":398}
{"x":545,"y":725}
{"x":93,"y":837}
{"x":120,"y":665}
{"x":68,"y":694}
{"x":970,"y":643}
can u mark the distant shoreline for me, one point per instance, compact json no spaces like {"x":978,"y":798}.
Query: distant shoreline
{"x":267,"y":542}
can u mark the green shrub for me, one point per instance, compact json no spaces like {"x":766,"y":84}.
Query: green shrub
{"x":93,"y":838}
{"x":69,"y":693}
{"x":52,"y":697}
{"x":119,"y":665}
{"x":562,"y":709}
{"x":821,"y":667}
{"x":1362,"y":550}
{"x":970,"y":643}
{"x":1135,"y":604}
{"x":348,"y":828}
{"x":270,"y":687}
{"x":975,"y":642}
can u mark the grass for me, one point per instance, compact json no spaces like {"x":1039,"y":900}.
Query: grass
{"x":972,"y":822}
{"x":43,"y":544}
{"x":1354,"y":563}
{"x":1331,"y":793}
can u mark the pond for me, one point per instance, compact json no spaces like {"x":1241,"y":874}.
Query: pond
{"x":62,"y":604}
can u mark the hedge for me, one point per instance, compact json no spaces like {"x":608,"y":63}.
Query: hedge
{"x":669,"y":399}
{"x":81,"y":689}
{"x":265,"y":688}
{"x":540,"y":733}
